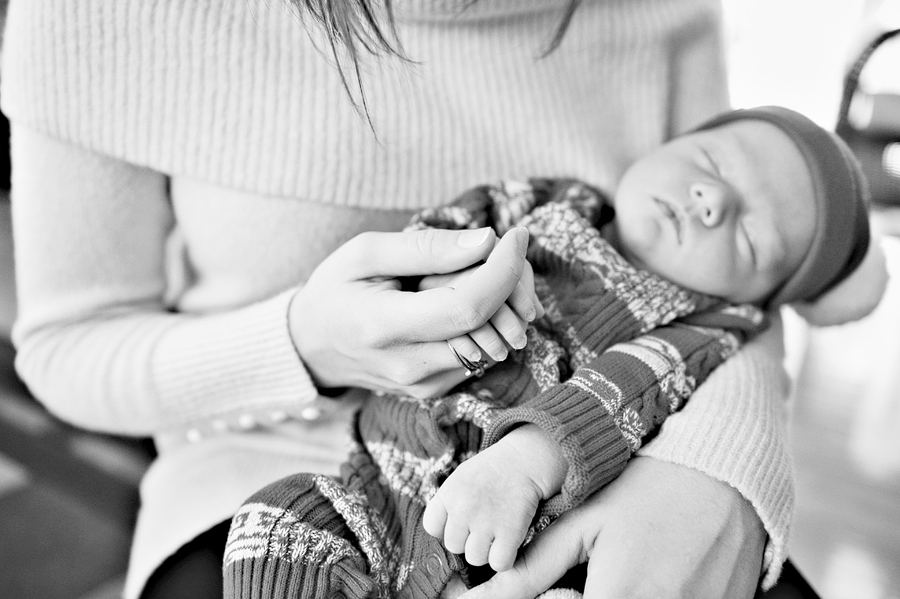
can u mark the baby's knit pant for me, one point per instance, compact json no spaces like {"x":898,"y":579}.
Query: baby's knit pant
{"x":296,"y":538}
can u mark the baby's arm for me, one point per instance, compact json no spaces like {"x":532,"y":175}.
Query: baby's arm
{"x":486,"y":505}
{"x":602,"y":414}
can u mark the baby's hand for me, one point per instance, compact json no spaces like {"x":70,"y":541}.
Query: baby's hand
{"x":486,"y":505}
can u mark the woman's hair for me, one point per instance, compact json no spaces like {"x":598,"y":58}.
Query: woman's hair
{"x":354,"y":27}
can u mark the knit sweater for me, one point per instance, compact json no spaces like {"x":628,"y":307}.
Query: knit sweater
{"x":180,"y":168}
{"x":617,"y":352}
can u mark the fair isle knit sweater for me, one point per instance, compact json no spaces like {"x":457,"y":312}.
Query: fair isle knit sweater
{"x":179,"y":168}
{"x":619,"y":350}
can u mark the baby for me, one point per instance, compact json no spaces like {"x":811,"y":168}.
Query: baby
{"x":755,"y":209}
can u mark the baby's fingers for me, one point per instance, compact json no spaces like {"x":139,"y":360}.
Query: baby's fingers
{"x":455,"y":536}
{"x":503,"y":553}
{"x":478,"y":548}
{"x":435,"y":518}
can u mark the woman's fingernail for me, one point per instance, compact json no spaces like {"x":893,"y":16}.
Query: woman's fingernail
{"x":473,"y":237}
{"x":521,"y":236}
{"x":475,"y":356}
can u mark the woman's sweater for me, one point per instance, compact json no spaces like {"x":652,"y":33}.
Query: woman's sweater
{"x":180,"y":168}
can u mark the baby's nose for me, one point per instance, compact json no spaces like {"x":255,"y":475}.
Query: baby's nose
{"x":709,"y":202}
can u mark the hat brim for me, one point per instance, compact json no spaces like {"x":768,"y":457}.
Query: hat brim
{"x":853,"y":298}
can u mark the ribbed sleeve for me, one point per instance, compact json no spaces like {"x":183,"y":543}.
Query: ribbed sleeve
{"x":591,"y":442}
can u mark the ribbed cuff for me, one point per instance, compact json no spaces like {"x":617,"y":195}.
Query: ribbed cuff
{"x":592,"y":444}
{"x":241,"y":360}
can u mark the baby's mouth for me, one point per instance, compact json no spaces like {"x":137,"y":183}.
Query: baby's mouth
{"x":672,"y":214}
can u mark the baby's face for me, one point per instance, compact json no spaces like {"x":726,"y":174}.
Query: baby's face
{"x":729,"y":212}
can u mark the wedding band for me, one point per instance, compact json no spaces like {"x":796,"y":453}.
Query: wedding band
{"x":472,"y":368}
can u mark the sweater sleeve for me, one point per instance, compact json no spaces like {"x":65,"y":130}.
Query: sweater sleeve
{"x":734,"y":430}
{"x":95,"y":342}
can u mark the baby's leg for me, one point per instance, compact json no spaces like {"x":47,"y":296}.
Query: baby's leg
{"x":291,"y":540}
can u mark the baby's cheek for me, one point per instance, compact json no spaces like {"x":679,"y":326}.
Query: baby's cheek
{"x":643,"y":243}
{"x":708,"y":270}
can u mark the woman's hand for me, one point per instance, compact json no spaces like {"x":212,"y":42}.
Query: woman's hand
{"x":354,"y":326}
{"x":659,"y":530}
{"x":506,"y":328}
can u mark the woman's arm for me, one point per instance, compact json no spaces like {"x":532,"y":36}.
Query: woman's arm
{"x":97,"y":344}
{"x":95,"y":341}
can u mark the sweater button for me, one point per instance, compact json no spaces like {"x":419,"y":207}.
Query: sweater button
{"x":434,"y":564}
{"x":311,"y":413}
{"x":194,"y":435}
{"x":246,"y":421}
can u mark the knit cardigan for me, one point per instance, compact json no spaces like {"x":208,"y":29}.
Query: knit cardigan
{"x":180,"y":168}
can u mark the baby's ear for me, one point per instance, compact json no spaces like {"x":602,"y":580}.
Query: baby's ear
{"x":854,"y":297}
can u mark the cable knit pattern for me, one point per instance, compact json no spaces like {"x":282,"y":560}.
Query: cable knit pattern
{"x":130,"y":116}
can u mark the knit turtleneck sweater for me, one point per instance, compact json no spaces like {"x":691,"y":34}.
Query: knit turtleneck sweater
{"x":179,"y":168}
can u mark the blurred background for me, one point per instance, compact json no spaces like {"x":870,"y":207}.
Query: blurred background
{"x":68,"y":498}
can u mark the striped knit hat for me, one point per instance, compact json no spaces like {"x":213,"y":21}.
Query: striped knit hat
{"x":841,"y":237}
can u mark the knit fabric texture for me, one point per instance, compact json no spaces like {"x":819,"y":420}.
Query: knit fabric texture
{"x":618,"y":350}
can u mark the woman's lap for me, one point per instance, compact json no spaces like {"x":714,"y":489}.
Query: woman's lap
{"x":194,"y":571}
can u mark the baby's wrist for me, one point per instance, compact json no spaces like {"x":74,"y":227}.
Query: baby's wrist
{"x":543,"y":459}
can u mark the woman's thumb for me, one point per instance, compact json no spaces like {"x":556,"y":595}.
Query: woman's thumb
{"x":412,"y":253}
{"x":544,"y":561}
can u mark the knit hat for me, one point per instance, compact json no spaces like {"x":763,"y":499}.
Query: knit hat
{"x":841,"y":238}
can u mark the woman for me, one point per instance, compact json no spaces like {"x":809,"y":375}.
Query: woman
{"x":187,"y":177}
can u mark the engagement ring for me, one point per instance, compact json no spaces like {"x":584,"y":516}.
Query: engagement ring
{"x":472,"y":368}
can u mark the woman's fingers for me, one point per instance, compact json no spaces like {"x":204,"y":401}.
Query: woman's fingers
{"x":523,"y":300}
{"x":509,"y":327}
{"x":466,"y":347}
{"x":436,"y":378}
{"x":412,"y":253}
{"x":353,"y":325}
{"x":445,"y":312}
